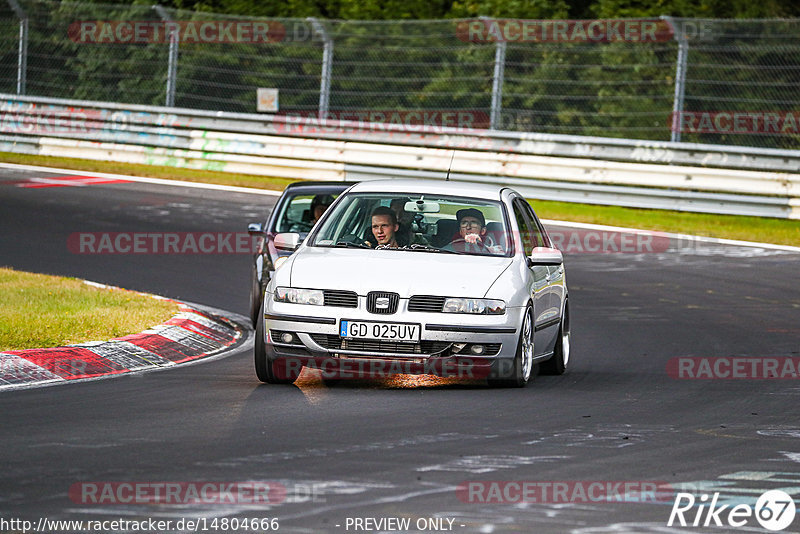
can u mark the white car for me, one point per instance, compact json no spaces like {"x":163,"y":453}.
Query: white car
{"x":418,"y":276}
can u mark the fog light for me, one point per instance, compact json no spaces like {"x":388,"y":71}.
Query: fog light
{"x":477,"y":349}
{"x":286,"y":337}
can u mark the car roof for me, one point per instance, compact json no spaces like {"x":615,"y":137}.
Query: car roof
{"x":318,"y":186}
{"x":431,"y":187}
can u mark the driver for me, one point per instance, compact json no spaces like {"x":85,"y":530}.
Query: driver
{"x":319,"y":204}
{"x":471,"y":231}
{"x":471,"y":225}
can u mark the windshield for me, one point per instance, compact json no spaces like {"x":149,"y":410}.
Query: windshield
{"x":300,"y":212}
{"x":424,"y":223}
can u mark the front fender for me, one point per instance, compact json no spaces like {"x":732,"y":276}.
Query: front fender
{"x":514,"y":285}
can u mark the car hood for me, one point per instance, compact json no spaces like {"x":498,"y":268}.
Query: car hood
{"x":403,"y":272}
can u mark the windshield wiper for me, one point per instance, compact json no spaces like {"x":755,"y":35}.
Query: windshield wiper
{"x":348,"y":244}
{"x":426,"y":248}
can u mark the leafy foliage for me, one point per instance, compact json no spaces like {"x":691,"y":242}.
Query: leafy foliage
{"x":384,"y":59}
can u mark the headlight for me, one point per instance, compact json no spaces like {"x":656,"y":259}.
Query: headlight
{"x":480,"y":306}
{"x":294,"y":295}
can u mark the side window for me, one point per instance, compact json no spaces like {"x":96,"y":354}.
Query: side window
{"x":533,"y":235}
{"x":524,"y":227}
{"x":541,"y":235}
{"x":296,"y":215}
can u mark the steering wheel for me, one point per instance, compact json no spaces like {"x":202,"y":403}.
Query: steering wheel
{"x":300,"y":226}
{"x":460,"y":244}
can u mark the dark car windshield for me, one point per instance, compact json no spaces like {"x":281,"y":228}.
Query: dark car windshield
{"x":414,"y":222}
{"x":297,"y":212}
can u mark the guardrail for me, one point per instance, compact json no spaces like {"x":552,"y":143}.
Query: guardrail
{"x":679,"y":176}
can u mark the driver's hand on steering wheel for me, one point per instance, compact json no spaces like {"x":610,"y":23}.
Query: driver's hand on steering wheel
{"x":473,"y":239}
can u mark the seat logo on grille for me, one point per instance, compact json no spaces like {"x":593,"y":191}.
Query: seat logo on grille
{"x":382,"y":303}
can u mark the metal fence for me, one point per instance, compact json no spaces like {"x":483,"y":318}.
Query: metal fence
{"x":731,"y":82}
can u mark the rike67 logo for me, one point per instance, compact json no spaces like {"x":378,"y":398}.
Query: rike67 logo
{"x":774,"y":510}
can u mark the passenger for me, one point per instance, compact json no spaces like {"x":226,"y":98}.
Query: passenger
{"x":406,"y":234}
{"x":385,"y":226}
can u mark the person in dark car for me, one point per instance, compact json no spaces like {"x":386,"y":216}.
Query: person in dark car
{"x":319,"y":204}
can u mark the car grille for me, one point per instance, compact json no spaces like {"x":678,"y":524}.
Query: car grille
{"x":334,"y":342}
{"x":426,"y":303}
{"x":342,"y":299}
{"x":373,"y":297}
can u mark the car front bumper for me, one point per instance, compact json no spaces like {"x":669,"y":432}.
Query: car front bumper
{"x":451,"y":344}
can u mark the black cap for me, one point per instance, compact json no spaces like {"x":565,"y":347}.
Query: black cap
{"x":471,"y":212}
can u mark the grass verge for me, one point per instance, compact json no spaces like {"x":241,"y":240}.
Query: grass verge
{"x":760,"y":229}
{"x":149,"y":171}
{"x":779,"y":231}
{"x":38,"y":310}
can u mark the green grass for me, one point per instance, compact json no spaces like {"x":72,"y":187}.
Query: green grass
{"x":39,"y":311}
{"x":760,"y":229}
{"x":779,"y":231}
{"x":150,"y":171}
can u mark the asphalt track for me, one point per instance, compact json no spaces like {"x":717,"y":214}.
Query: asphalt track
{"x":400,"y":448}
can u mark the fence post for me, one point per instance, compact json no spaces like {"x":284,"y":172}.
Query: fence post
{"x":172,"y":62}
{"x":22,"y":55}
{"x":327,"y":65}
{"x":680,"y":78}
{"x":497,"y":82}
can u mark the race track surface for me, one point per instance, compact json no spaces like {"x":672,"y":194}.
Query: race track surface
{"x":400,"y":448}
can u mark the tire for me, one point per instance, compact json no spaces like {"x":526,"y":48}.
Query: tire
{"x":557,"y":365}
{"x":521,"y":369}
{"x":256,"y":296}
{"x":264,"y":364}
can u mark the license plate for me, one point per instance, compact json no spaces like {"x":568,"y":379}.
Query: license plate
{"x":401,"y":332}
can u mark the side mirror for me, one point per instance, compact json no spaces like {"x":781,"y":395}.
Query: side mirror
{"x":545,"y":256}
{"x":287,"y":241}
{"x":255,"y":229}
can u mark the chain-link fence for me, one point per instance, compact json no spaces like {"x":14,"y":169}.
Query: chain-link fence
{"x":711,"y":81}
